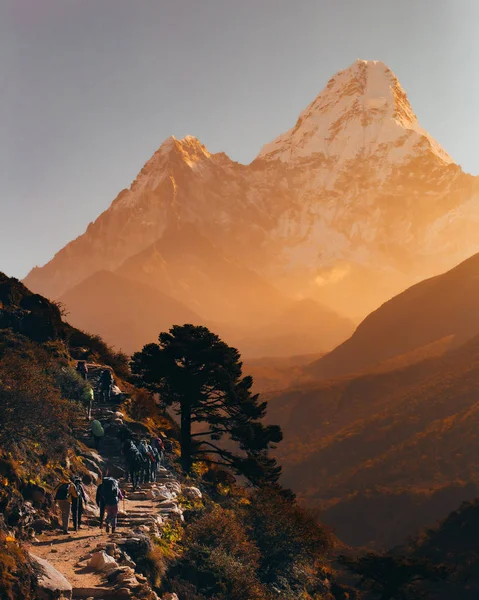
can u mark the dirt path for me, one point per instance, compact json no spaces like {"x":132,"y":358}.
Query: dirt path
{"x":143,"y":512}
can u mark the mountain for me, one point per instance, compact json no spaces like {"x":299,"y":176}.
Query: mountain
{"x":383,"y":453}
{"x":439,"y":308}
{"x":352,"y":205}
{"x":190,"y":267}
{"x":126,"y":313}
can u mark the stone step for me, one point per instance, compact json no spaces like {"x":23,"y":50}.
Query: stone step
{"x":81,"y":593}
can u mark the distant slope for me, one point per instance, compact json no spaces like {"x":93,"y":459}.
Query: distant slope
{"x":381,"y":451}
{"x":187,"y":265}
{"x":305,"y":325}
{"x":126,"y":313}
{"x":446,"y":305}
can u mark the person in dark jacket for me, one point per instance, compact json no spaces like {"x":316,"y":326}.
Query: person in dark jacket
{"x":82,"y":369}
{"x":100,"y":503}
{"x":78,"y":503}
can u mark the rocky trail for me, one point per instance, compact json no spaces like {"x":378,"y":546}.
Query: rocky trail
{"x":91,"y":563}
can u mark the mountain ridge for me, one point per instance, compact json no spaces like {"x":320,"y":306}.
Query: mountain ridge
{"x":330,"y":226}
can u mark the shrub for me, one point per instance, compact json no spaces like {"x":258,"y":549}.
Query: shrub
{"x":292,"y":544}
{"x":219,"y":561}
{"x":31,"y":407}
{"x":17,"y":578}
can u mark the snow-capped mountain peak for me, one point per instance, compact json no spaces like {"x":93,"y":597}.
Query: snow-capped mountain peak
{"x":362,"y":112}
{"x":173,"y":153}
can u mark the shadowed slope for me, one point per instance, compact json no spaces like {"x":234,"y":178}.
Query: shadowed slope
{"x":442,"y":306}
{"x":126,"y":313}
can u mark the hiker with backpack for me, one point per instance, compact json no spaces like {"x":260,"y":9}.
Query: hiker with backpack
{"x":157,"y":444}
{"x":106,"y":383}
{"x":64,"y":494}
{"x":97,"y":432}
{"x":108,"y":496}
{"x":78,"y":503}
{"x":82,"y":369}
{"x":89,"y":402}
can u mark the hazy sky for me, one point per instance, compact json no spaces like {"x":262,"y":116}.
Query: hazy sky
{"x":90,"y":89}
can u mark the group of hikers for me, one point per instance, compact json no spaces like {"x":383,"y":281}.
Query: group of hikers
{"x":105,"y":383}
{"x":72,"y":498}
{"x":143,"y":459}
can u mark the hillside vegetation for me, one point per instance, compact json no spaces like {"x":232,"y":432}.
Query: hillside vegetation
{"x":385,"y":453}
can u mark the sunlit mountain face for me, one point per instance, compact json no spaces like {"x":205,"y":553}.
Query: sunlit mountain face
{"x":350,"y":206}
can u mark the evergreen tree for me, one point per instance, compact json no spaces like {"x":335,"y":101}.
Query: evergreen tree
{"x":193,"y":370}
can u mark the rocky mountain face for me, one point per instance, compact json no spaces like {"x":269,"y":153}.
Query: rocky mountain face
{"x":349,"y":207}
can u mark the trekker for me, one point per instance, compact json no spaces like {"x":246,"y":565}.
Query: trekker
{"x":89,"y":402}
{"x":78,"y":503}
{"x":158,"y":444}
{"x":82,"y":369}
{"x":100,"y":503}
{"x":106,"y":383}
{"x":97,"y":432}
{"x":64,"y":493}
{"x":111,"y":495}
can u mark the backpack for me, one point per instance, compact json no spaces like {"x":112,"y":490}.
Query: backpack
{"x":110,"y":491}
{"x":97,"y":429}
{"x":79,"y":490}
{"x":62,"y":491}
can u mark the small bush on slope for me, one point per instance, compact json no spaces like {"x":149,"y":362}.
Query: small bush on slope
{"x":16,"y":575}
{"x":256,"y":546}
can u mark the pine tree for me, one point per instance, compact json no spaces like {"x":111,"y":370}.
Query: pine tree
{"x":193,"y":370}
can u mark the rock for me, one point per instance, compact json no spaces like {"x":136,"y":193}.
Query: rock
{"x":174,"y":486}
{"x":92,"y":466}
{"x":193,"y":493}
{"x":90,"y":478}
{"x":116,"y":472}
{"x":127,"y":561}
{"x":111,"y":548}
{"x":169,"y":596}
{"x":113,"y":575}
{"x":101,"y":561}
{"x":123,"y":594}
{"x":167,"y":504}
{"x":39,"y":525}
{"x":51,"y":583}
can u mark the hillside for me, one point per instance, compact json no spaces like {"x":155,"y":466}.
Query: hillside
{"x":126,"y":313}
{"x":190,"y":535}
{"x":393,"y":447}
{"x":440,"y":307}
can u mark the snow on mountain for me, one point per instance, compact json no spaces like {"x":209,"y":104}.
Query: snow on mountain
{"x":349,"y":207}
{"x":362,"y":112}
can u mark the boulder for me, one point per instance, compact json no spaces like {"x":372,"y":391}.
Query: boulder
{"x":101,"y":562}
{"x":113,"y":575}
{"x":193,"y":493}
{"x":123,"y":593}
{"x":40,"y":525}
{"x":92,"y":466}
{"x":52,"y":585}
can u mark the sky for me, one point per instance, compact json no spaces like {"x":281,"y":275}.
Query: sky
{"x":89,"y":89}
